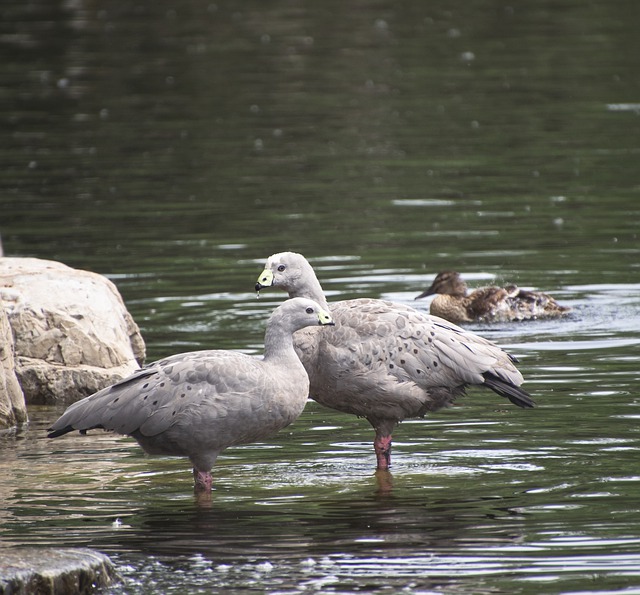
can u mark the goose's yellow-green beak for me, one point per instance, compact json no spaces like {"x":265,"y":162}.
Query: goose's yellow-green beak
{"x":324,"y":318}
{"x":264,"y":280}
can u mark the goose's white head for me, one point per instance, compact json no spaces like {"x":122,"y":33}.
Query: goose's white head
{"x":292,"y":273}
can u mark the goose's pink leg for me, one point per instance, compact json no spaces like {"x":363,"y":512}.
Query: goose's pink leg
{"x":382,"y":446}
{"x":203,"y":480}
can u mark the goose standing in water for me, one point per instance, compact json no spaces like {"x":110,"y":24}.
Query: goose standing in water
{"x":197,"y":404}
{"x":387,"y":362}
{"x":487,"y":304}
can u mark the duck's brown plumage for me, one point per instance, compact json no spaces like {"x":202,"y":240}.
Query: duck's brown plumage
{"x":453,"y":302}
{"x":387,"y":362}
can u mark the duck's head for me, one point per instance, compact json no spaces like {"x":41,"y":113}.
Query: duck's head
{"x":448,"y":283}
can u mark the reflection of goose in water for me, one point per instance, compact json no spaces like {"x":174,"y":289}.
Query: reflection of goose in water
{"x":487,"y":304}
{"x":387,"y":362}
{"x":348,"y":525}
{"x":199,"y":403}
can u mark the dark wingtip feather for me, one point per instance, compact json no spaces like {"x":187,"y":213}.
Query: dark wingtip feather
{"x":510,"y":391}
{"x":53,"y":433}
{"x":59,"y":432}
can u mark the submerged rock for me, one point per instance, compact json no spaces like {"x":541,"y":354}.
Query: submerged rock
{"x":72,"y":332}
{"x":59,"y":571}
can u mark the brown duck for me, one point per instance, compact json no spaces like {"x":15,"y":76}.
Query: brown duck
{"x":488,"y":304}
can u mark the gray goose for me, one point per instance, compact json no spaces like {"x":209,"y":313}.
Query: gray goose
{"x":385,"y":361}
{"x":197,"y":404}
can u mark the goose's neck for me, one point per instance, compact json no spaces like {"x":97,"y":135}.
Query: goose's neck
{"x":278,"y":338}
{"x":278,"y":345}
{"x":308,"y":286}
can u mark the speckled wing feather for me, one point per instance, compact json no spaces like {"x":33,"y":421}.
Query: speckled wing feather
{"x":381,"y":353}
{"x":153,"y":398}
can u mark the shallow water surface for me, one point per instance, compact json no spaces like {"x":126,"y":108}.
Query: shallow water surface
{"x":482,"y":497}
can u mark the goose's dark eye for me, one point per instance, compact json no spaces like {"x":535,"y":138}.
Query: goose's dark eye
{"x":309,"y":310}
{"x":281,"y":268}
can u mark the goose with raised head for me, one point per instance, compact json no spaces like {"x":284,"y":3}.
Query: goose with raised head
{"x":386,"y":361}
{"x":197,"y":404}
{"x":454,"y":303}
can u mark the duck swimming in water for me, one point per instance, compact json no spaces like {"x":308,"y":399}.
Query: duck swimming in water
{"x":488,"y":304}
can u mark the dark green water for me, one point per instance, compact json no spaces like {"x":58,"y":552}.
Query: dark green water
{"x":173,"y":147}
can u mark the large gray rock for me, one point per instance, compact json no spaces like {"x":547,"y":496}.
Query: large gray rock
{"x":72,"y":332}
{"x":13,"y":410}
{"x":68,"y":571}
